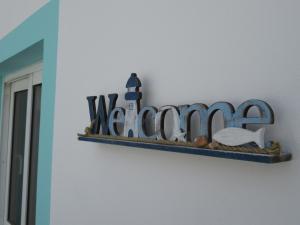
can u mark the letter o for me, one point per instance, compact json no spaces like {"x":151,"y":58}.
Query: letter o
{"x":177,"y":133}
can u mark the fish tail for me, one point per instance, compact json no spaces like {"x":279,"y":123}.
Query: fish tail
{"x":260,"y":137}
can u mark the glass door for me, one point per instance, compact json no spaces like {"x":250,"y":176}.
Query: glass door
{"x":22,"y":149}
{"x":17,"y":157}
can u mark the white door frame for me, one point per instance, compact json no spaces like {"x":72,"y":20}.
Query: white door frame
{"x":23,"y":79}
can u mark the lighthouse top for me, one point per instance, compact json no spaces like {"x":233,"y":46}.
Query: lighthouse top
{"x":133,"y":81}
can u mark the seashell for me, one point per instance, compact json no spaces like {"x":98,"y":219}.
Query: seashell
{"x":201,"y":141}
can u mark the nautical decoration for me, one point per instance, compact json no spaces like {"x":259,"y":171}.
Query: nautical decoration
{"x":233,"y":136}
{"x":132,"y":97}
{"x":201,"y":141}
{"x":128,"y":126}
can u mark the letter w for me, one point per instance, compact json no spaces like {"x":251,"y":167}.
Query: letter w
{"x":101,"y":117}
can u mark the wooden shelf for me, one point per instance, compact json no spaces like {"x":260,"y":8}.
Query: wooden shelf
{"x":262,"y":158}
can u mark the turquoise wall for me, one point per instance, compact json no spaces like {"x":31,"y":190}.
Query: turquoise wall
{"x":34,"y":40}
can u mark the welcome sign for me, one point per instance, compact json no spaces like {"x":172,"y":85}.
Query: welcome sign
{"x":128,"y":125}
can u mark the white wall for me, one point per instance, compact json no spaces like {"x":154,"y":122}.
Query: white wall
{"x":14,"y":12}
{"x":184,"y":52}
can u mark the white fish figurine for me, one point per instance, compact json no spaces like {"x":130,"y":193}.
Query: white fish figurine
{"x":233,"y":136}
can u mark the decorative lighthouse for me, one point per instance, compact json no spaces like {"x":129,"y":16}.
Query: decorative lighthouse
{"x":132,"y":97}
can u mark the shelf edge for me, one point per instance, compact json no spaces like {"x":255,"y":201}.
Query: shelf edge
{"x":261,"y":158}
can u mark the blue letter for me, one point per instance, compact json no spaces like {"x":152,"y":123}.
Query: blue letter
{"x":117,"y":116}
{"x":141,"y":121}
{"x":266,"y":117}
{"x":100,"y":119}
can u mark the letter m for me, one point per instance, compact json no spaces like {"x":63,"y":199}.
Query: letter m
{"x":99,"y":117}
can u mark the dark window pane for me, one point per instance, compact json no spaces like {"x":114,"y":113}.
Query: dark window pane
{"x":17,"y":158}
{"x":35,"y":130}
